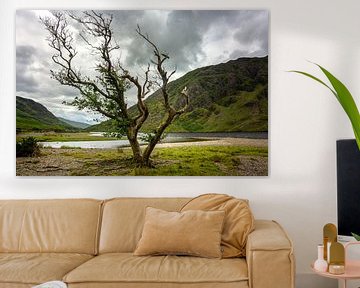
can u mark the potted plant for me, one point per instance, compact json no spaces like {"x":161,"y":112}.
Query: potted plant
{"x":348,"y":186}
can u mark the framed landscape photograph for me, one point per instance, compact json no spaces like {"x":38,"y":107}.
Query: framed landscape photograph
{"x":142,"y":93}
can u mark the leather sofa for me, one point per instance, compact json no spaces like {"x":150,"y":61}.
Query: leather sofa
{"x":89,"y":243}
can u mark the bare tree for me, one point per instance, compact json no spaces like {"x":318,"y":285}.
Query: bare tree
{"x":104,"y":93}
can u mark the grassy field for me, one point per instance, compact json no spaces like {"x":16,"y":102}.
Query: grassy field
{"x":63,"y":137}
{"x":175,"y":161}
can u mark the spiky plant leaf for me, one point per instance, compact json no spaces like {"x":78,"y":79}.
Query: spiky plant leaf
{"x":356,"y":236}
{"x":344,"y":97}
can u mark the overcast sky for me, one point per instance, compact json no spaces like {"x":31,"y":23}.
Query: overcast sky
{"x":192,"y":39}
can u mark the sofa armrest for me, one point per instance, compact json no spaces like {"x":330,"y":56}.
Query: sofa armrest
{"x":269,"y":255}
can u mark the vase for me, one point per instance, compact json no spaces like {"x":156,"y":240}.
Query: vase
{"x":320,"y":264}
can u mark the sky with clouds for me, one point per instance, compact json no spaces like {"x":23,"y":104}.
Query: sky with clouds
{"x":192,"y":39}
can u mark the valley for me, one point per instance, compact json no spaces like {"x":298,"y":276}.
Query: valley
{"x":222,"y":133}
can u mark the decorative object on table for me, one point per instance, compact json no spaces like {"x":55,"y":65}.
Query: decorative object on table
{"x":344,"y":97}
{"x":320,"y":264}
{"x":51,"y":284}
{"x":350,"y":270}
{"x":336,"y":269}
{"x":329,"y":236}
{"x":337,"y":258}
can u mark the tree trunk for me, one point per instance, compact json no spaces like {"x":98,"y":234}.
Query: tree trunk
{"x":149,"y":149}
{"x":135,"y":146}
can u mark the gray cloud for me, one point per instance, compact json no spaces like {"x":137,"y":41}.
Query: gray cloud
{"x":176,"y":34}
{"x":253,"y":33}
{"x":182,"y":34}
{"x":25,"y":83}
{"x":25,"y":57}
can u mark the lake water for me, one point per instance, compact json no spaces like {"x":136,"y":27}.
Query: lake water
{"x":170,"y":138}
{"x":250,"y":135}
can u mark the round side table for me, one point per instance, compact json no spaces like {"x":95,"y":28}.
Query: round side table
{"x":352,"y":269}
{"x":352,"y":272}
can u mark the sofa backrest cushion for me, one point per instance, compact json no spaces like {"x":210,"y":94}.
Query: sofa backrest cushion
{"x":239,"y":220}
{"x":64,"y":226}
{"x":123,"y":220}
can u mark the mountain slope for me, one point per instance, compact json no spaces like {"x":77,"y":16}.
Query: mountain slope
{"x":75,"y":124}
{"x":33,"y":116}
{"x":227,"y":97}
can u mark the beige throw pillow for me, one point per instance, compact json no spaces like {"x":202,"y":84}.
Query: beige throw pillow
{"x":239,"y":220}
{"x":196,"y":233}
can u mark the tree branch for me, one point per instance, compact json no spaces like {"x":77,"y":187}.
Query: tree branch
{"x":160,"y":59}
{"x":105,"y":91}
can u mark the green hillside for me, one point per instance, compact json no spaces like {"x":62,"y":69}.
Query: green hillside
{"x":105,"y":126}
{"x":75,"y":124}
{"x":32,"y":116}
{"x":227,"y":97}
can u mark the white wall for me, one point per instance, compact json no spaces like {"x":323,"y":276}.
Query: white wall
{"x":305,"y":121}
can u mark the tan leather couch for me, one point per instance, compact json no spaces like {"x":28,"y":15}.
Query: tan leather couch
{"x":89,"y":243}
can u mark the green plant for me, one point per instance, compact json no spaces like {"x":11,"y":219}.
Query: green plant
{"x":356,"y":236}
{"x":27,"y":147}
{"x":344,"y":97}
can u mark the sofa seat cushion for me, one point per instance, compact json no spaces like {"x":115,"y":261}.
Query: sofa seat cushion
{"x":36,"y":268}
{"x":127,"y":268}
